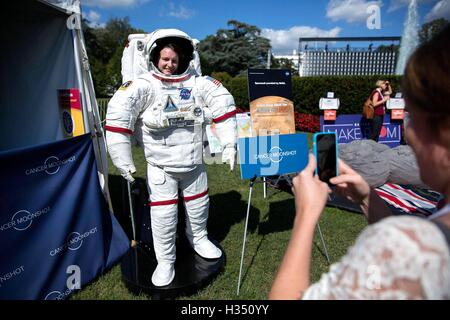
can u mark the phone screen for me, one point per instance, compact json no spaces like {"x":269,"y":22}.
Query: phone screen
{"x":326,"y":156}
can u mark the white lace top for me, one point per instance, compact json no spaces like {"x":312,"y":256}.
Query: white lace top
{"x":396,"y":258}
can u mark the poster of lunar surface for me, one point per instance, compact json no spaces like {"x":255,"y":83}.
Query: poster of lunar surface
{"x":271,"y":106}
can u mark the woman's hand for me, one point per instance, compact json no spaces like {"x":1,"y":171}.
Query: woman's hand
{"x":310,"y":194}
{"x":352,"y":186}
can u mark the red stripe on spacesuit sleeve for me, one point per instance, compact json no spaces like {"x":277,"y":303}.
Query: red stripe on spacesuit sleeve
{"x":186,"y":199}
{"x":117,"y":129}
{"x":225,"y":116}
{"x":162,"y":203}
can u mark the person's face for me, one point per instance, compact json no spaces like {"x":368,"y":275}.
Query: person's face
{"x":429,"y":152}
{"x":168,"y":61}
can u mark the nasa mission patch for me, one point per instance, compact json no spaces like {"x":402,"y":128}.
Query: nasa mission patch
{"x":125,"y":85}
{"x":185,"y":94}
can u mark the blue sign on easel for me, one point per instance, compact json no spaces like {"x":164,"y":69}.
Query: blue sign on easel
{"x":272,"y":155}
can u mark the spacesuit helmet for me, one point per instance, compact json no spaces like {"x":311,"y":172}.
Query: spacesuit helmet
{"x":182,"y":43}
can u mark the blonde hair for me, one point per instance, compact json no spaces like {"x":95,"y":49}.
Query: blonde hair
{"x":379,"y":83}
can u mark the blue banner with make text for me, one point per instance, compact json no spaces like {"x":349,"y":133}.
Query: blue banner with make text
{"x":349,"y":127}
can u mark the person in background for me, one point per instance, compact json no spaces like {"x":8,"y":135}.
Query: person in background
{"x":379,"y":98}
{"x":395,"y":257}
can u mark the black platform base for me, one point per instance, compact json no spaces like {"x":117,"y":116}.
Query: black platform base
{"x":192,"y":272}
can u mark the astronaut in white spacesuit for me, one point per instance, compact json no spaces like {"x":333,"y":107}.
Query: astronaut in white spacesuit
{"x":170,"y":105}
{"x":134,"y":61}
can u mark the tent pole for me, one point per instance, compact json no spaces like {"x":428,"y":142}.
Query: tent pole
{"x":90,"y":114}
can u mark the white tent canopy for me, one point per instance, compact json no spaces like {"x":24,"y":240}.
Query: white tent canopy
{"x":68,"y":5}
{"x":43,"y":51}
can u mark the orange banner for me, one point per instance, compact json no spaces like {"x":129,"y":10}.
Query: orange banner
{"x":397,"y":114}
{"x":329,"y":115}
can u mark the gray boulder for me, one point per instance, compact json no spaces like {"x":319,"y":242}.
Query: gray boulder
{"x":366,"y":157}
{"x":403,"y":166}
{"x":378,"y":164}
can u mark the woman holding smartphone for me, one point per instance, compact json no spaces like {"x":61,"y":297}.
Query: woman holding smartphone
{"x":412,"y":260}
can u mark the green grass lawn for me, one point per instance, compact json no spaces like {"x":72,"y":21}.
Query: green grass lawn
{"x":269,"y":230}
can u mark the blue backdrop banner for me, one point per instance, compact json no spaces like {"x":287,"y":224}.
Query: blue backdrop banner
{"x":56,"y":230}
{"x":264,"y":156}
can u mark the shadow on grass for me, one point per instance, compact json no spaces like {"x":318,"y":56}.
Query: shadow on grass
{"x":280,"y":217}
{"x":227,"y":209}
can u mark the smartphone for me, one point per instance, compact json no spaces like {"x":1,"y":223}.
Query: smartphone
{"x":326,"y":153}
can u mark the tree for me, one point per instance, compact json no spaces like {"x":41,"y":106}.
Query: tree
{"x":104,"y":48}
{"x":391,"y":48}
{"x":430,"y":29}
{"x":234,"y":50}
{"x":284,"y":63}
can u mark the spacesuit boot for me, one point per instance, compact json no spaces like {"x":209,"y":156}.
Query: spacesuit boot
{"x":206,"y":249}
{"x":196,"y":219}
{"x":163,"y":274}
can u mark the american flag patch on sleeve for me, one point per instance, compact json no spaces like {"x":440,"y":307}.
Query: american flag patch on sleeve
{"x":215,"y":81}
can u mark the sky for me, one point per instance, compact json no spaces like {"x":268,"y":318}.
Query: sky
{"x":283,"y":22}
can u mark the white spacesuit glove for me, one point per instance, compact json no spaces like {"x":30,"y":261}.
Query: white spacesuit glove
{"x":127,"y":173}
{"x":119,"y":148}
{"x":208,"y":116}
{"x":229,"y":156}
